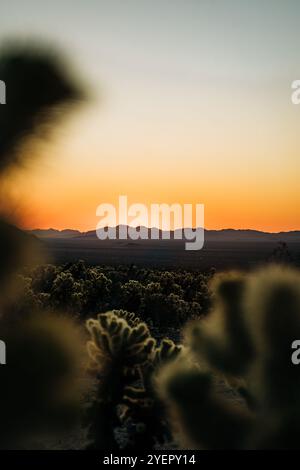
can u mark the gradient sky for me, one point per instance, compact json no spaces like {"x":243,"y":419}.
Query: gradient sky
{"x":191,"y":104}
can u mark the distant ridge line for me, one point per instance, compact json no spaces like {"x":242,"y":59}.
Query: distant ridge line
{"x":210,"y":235}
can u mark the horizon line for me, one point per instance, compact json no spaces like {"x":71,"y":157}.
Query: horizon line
{"x":165,"y":230}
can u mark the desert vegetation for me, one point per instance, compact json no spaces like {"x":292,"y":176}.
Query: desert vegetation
{"x":219,"y":376}
{"x":159,"y":297}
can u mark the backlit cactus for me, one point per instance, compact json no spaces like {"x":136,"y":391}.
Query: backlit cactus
{"x":116,"y":350}
{"x":114,"y":340}
{"x":124,"y":357}
{"x":144,"y":406}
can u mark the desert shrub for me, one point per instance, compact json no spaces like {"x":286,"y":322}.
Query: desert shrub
{"x":153,"y":304}
{"x":43,"y":278}
{"x":96,"y":290}
{"x":78,"y":270}
{"x":131,"y":295}
{"x":65,"y":292}
{"x":161,"y":298}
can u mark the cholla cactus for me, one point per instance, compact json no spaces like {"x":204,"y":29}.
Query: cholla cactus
{"x":116,"y":350}
{"x":125,"y":357}
{"x":222,"y":340}
{"x":200,"y":418}
{"x":258,"y":319}
{"x":143,"y":406}
{"x":273,"y":312}
{"x":115,"y":341}
{"x":166,"y":352}
{"x":130,"y":317}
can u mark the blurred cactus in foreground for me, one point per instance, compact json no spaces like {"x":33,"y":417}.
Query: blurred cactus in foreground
{"x":39,"y":384}
{"x":124,"y":357}
{"x":247,"y":340}
{"x":39,"y":90}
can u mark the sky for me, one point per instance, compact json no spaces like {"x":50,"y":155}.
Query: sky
{"x":190,"y":103}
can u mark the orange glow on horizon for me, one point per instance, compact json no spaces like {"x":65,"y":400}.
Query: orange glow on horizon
{"x":183,"y":108}
{"x":245,"y":179}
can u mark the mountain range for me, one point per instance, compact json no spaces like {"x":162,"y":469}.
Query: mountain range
{"x":223,"y":235}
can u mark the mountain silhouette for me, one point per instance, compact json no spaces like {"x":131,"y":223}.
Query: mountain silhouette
{"x":209,"y":235}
